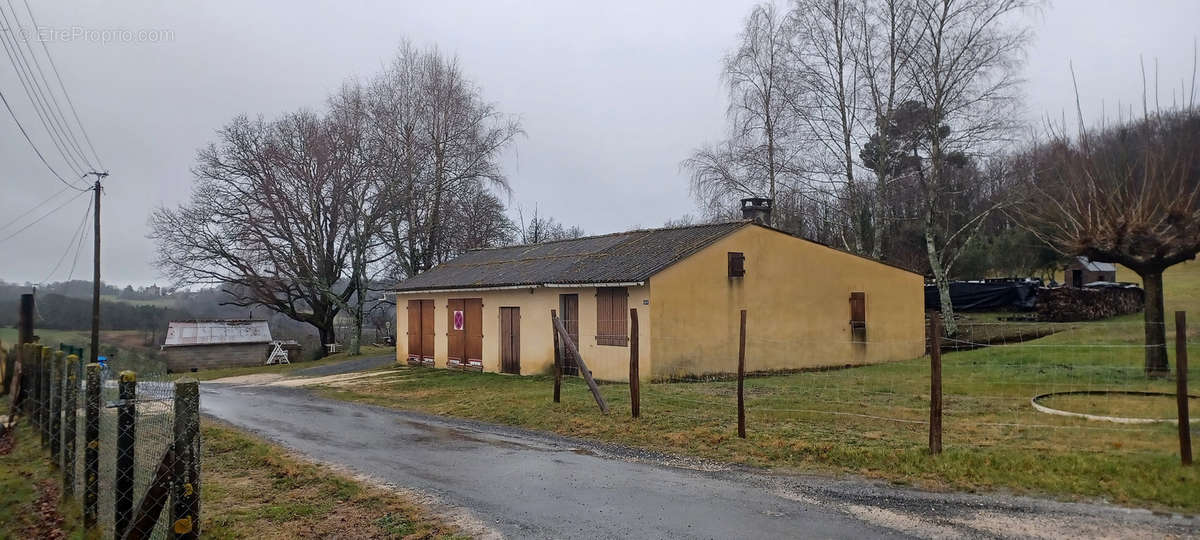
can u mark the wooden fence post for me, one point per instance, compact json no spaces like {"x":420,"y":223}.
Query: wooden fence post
{"x":44,"y":361}
{"x":185,"y":495}
{"x":91,"y":452}
{"x":24,"y":335}
{"x":635,"y":383}
{"x":70,"y":402}
{"x":935,"y":383}
{"x":126,"y":446}
{"x":583,"y":369}
{"x":56,"y":390}
{"x":557,"y":357}
{"x":741,"y":376}
{"x":28,"y":370}
{"x":1181,"y":387}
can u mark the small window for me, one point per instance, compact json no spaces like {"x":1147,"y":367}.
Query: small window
{"x":737,"y":264}
{"x":858,"y":318}
{"x":858,"y":311}
{"x":612,"y":308}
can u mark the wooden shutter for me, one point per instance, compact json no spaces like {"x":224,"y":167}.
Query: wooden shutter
{"x":611,"y":324}
{"x":737,"y":264}
{"x":414,"y":331}
{"x":858,"y":310}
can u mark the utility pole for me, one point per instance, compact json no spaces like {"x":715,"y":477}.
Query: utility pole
{"x":96,"y":269}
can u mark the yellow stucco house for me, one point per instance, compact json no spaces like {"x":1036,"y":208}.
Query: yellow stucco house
{"x":808,"y":305}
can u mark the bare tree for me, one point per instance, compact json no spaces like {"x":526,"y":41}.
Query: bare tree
{"x":826,"y":99}
{"x":964,"y":71}
{"x":756,"y":159}
{"x":545,"y":229}
{"x":266,"y":220}
{"x":1128,"y":194}
{"x":883,"y":56}
{"x":441,"y":142}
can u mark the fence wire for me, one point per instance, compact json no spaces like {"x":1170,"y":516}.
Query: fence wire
{"x":1004,"y":384}
{"x":137,"y":432}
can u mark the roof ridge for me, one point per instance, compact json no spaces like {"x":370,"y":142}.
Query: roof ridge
{"x":631,"y":231}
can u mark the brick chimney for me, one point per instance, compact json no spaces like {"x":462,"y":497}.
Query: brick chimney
{"x":757,"y":209}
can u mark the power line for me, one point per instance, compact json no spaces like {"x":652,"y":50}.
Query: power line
{"x":78,"y":234}
{"x":41,"y":91}
{"x":37,"y":98}
{"x":35,"y":207}
{"x":47,"y":92}
{"x":75,"y":261}
{"x":66,"y":94}
{"x":34,"y":146}
{"x":44,"y":216}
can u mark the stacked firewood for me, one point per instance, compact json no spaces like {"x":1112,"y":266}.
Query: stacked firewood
{"x":1066,"y":304}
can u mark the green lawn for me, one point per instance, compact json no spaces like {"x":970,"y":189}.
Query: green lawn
{"x":871,"y":420}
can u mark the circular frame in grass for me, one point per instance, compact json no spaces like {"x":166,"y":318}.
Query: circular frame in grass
{"x":1103,"y":418}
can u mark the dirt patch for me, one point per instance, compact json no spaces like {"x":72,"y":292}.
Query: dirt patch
{"x":331,"y":380}
{"x":249,"y":380}
{"x":6,"y":442}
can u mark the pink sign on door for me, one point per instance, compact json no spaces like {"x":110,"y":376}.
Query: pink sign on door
{"x":458,"y":319}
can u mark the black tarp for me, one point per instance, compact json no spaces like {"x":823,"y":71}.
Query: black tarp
{"x":986,"y":295}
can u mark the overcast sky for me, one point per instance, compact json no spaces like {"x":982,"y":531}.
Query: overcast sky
{"x":612,"y":95}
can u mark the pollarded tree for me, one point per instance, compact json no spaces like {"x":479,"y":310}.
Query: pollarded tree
{"x":1129,"y":195}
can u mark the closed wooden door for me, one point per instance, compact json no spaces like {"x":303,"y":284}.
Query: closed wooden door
{"x":474,"y":332}
{"x":569,"y":307}
{"x":510,"y":340}
{"x":420,"y":332}
{"x":464,"y":337}
{"x":427,"y":333}
{"x":414,"y":332}
{"x":456,"y":335}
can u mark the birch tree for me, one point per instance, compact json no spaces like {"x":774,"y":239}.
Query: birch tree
{"x":758,"y":158}
{"x":964,"y":70}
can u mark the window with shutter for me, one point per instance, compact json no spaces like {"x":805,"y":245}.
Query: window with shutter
{"x":612,"y":306}
{"x":858,"y":318}
{"x":737,"y":264}
{"x":858,"y":310}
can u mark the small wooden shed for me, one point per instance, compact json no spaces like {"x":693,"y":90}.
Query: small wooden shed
{"x":1082,"y":271}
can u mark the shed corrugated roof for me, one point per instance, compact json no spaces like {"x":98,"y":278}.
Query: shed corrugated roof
{"x":217,"y":332}
{"x":1097,"y":266}
{"x":612,"y":258}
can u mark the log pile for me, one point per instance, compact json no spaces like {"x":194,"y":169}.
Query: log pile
{"x":1066,"y":304}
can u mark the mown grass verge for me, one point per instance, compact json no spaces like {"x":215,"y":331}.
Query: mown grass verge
{"x":253,"y":489}
{"x":29,"y":490}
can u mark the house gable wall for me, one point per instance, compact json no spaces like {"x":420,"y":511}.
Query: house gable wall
{"x":797,"y":297}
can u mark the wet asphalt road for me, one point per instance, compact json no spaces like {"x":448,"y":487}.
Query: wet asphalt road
{"x":349,"y":366}
{"x":525,"y":484}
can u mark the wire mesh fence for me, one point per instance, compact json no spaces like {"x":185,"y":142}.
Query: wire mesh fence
{"x":124,"y":435}
{"x":1044,"y":387}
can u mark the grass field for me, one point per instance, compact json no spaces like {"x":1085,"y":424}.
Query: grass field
{"x":871,"y":420}
{"x":130,"y":340}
